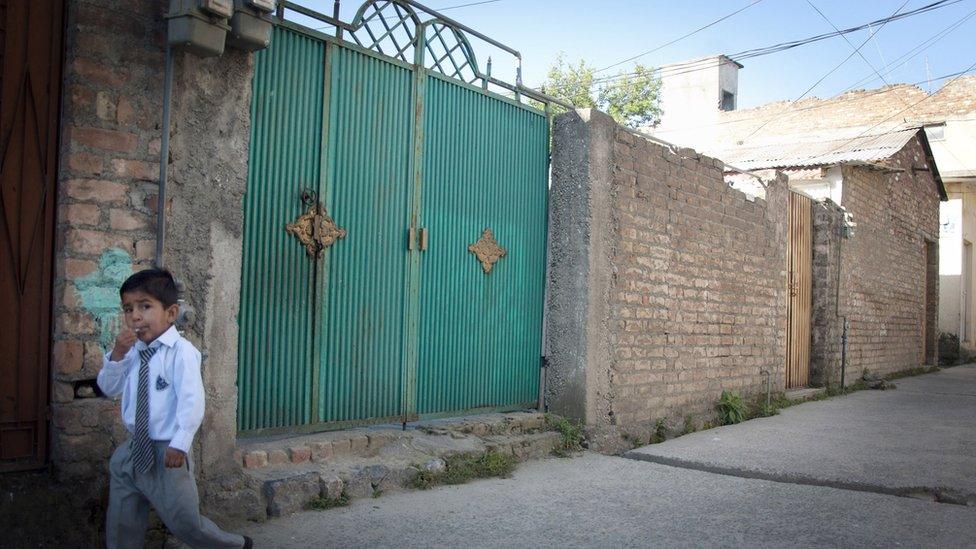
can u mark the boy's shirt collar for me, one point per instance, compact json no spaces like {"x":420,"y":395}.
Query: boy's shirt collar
{"x":167,"y":338}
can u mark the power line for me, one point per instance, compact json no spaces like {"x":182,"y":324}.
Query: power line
{"x":766,"y":50}
{"x":896,"y":64}
{"x":783,"y":46}
{"x":851,"y":44}
{"x":466,"y":5}
{"x":824,"y":77}
{"x":820,"y":105}
{"x":912,"y":106}
{"x":699,"y":29}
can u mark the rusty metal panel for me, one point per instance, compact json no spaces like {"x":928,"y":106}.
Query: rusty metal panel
{"x":800,"y":253}
{"x":485,"y":168}
{"x":275,"y":368}
{"x":30,"y":51}
{"x":367,"y":189}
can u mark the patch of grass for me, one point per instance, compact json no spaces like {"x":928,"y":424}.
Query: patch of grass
{"x":912,"y":372}
{"x":423,"y":480}
{"x":463,"y":468}
{"x":322,"y":503}
{"x":572,"y":434}
{"x":377,"y":493}
{"x":689,"y":425}
{"x":660,"y":431}
{"x":730,"y":408}
{"x":635,"y":442}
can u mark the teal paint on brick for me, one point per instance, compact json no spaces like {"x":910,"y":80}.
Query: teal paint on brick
{"x":98,"y":292}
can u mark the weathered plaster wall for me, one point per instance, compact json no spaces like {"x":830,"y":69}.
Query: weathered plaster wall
{"x":108,"y":187}
{"x":675,"y":291}
{"x":827,"y":324}
{"x":204,"y":231}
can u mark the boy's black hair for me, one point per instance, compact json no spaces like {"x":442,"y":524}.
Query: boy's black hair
{"x":158,"y":283}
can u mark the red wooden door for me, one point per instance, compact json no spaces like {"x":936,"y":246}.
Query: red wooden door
{"x":30,"y":81}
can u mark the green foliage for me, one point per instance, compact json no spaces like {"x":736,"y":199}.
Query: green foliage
{"x":730,"y":408}
{"x":660,"y":431}
{"x":572,"y":434}
{"x":631,"y":98}
{"x":322,"y":503}
{"x":463,"y":468}
{"x":571,"y":83}
{"x":635,"y":442}
{"x":689,"y":425}
{"x":912,"y":372}
{"x":760,"y":408}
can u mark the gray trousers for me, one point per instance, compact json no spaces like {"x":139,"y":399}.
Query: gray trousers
{"x":171,"y":492}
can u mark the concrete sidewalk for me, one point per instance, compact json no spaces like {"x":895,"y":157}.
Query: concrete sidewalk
{"x":918,"y":440}
{"x":603,"y":501}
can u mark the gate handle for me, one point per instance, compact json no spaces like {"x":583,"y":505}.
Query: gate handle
{"x":423,"y":239}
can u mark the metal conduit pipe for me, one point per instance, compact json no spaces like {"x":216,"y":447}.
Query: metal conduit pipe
{"x":163,"y":159}
{"x":843,"y":337}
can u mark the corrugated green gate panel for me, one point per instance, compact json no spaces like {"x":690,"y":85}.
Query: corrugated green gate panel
{"x":274,"y":369}
{"x":485,"y":166}
{"x":368,"y":193}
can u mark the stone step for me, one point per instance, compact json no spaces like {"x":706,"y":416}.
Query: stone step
{"x":365,"y":442}
{"x":804,"y":393}
{"x":288,"y":487}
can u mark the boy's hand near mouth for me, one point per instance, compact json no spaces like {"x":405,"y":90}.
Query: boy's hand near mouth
{"x":123,"y":342}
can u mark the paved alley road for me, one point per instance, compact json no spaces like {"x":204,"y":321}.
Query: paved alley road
{"x":921,"y":435}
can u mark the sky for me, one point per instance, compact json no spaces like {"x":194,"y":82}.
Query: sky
{"x":606,"y":32}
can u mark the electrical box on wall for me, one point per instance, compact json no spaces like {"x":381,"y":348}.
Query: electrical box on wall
{"x":250,"y":25}
{"x":199,"y":26}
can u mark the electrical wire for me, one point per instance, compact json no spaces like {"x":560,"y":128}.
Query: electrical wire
{"x":851,"y":44}
{"x":466,"y":5}
{"x":680,"y":38}
{"x":896,"y":64}
{"x":899,"y":113}
{"x":783,"y":46}
{"x":828,"y":73}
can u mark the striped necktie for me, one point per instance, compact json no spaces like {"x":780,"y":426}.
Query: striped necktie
{"x":143,"y":456}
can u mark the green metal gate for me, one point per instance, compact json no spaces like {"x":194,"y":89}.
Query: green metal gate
{"x":394,"y":244}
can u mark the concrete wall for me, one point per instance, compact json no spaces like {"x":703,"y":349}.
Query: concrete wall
{"x":958,"y":227}
{"x":951,"y":266}
{"x":691,"y":97}
{"x":955,"y":151}
{"x":827,"y":322}
{"x":666,"y":286}
{"x":107,"y":205}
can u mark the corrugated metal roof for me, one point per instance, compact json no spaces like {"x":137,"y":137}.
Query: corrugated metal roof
{"x":796,"y":151}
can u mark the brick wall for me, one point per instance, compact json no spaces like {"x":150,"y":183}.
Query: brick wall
{"x":698,"y":303}
{"x":889,"y":105}
{"x":695,"y":299}
{"x":106,"y":211}
{"x":884,"y":265}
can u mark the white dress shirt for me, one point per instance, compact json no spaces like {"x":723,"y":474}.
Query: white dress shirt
{"x":176,"y":398}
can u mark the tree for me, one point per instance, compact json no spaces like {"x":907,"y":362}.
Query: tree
{"x":631,"y":98}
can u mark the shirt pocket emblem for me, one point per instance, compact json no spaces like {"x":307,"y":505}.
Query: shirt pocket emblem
{"x":161,"y":383}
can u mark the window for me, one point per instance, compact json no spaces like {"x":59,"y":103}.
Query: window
{"x":728,"y":101}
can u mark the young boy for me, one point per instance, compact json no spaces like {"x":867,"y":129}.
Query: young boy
{"x":158,"y":374}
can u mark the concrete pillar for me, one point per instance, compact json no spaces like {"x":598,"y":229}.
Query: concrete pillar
{"x":579,"y":268}
{"x":208,"y":178}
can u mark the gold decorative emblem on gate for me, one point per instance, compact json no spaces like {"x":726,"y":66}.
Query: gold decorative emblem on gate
{"x":316,"y":230}
{"x":487,"y":250}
